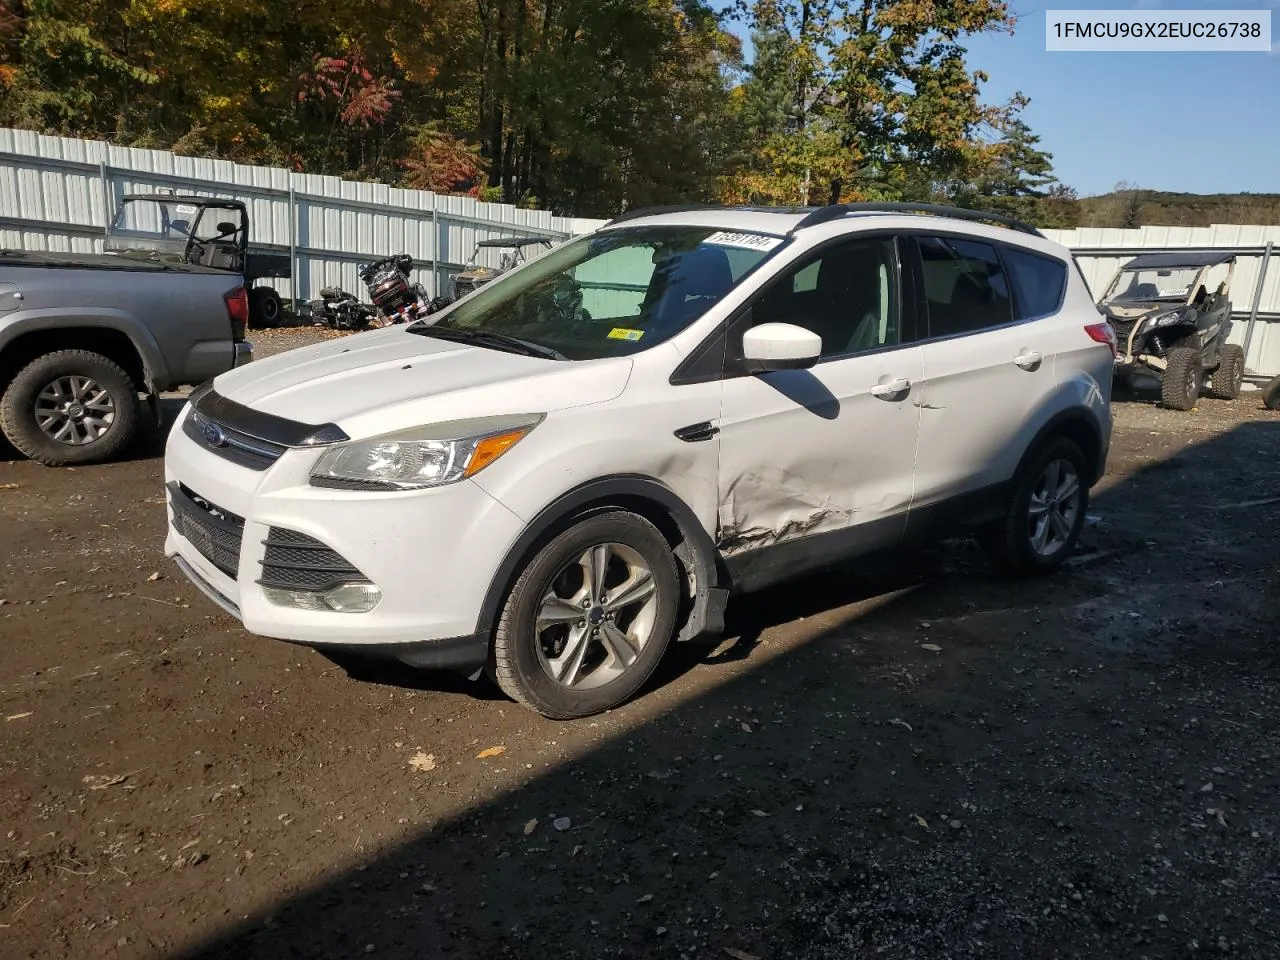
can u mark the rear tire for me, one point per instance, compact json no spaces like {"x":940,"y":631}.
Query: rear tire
{"x":265,"y":307}
{"x":1183,"y":378}
{"x":570,"y":642}
{"x":1046,"y":514}
{"x":1229,"y":377}
{"x":70,"y":407}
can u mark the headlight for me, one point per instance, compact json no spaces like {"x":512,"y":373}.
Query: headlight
{"x":421,"y":457}
{"x":1164,"y":319}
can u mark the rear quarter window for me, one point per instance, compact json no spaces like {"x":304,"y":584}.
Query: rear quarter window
{"x":1038,"y":282}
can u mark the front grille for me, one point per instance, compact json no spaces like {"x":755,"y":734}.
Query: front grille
{"x":295,"y":561}
{"x":231,"y":444}
{"x":214,"y":532}
{"x":1123,"y":329}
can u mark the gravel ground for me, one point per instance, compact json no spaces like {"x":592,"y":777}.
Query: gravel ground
{"x":906,"y":759}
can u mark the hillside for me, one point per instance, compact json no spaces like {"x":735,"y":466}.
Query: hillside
{"x":1140,"y":208}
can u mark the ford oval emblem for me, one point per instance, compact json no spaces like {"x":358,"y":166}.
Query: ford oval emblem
{"x":214,"y":435}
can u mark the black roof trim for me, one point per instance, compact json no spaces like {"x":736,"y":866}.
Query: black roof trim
{"x":703,"y":208}
{"x":186,"y":198}
{"x":837,"y":211}
{"x":1180,"y":258}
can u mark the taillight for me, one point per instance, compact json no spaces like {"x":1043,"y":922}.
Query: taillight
{"x":1103,"y":333}
{"x":237,"y":301}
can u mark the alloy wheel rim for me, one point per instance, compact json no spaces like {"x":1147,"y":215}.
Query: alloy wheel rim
{"x":75,"y":410}
{"x":596,"y":617}
{"x":1054,"y":508}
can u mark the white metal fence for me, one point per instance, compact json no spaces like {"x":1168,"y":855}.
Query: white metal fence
{"x":58,"y":194}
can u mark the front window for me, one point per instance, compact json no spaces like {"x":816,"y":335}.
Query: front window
{"x":616,"y":292}
{"x":1151,"y":284}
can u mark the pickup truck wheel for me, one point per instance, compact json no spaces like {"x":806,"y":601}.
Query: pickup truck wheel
{"x":589,"y":618}
{"x":265,"y":307}
{"x":1183,"y":378}
{"x":1229,"y":377}
{"x":70,"y":407}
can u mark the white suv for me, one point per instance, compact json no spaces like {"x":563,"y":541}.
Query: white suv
{"x":579,"y":463}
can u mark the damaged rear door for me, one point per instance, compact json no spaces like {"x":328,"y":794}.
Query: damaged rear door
{"x":818,"y":464}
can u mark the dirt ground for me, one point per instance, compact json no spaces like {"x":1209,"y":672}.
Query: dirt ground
{"x":910,"y":758}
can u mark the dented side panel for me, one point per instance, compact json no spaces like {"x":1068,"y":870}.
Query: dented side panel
{"x":813,"y":451}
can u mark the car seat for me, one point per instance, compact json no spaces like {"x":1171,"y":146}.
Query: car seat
{"x":684,"y":286}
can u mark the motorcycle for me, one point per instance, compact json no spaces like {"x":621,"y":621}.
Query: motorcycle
{"x":398,"y":298}
{"x":339,"y":310}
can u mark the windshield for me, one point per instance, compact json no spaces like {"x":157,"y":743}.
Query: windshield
{"x":613,"y":293}
{"x":163,"y":227}
{"x":1170,"y":284}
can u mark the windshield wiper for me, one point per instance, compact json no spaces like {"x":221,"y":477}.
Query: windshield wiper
{"x":484,"y":338}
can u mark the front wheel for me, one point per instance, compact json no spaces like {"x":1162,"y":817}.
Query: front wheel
{"x":589,"y":617}
{"x":1183,"y":378}
{"x":70,"y":407}
{"x":1046,"y":514}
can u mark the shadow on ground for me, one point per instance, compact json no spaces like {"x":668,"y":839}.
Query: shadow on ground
{"x":930,"y":763}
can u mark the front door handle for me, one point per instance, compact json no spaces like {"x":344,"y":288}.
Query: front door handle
{"x":893,"y":390}
{"x":1030,"y":360}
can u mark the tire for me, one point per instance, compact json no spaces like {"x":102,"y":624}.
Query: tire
{"x":265,"y":307}
{"x":556,"y":581}
{"x":1183,"y":378}
{"x":1011,"y":544}
{"x":1229,"y":377}
{"x":1271,"y":394}
{"x":73,"y":375}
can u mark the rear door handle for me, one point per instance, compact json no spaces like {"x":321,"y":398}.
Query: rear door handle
{"x":893,"y":390}
{"x":1029,"y":361}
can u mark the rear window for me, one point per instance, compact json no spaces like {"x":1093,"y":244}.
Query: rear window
{"x":1038,"y":282}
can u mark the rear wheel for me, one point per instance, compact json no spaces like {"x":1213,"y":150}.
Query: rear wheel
{"x":1045,"y":516}
{"x":1271,"y":394}
{"x":589,"y":617}
{"x":265,"y":307}
{"x":70,"y":407}
{"x":1229,"y":377}
{"x":1183,"y":378}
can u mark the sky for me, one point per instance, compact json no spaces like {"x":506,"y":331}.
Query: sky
{"x":1189,"y":122}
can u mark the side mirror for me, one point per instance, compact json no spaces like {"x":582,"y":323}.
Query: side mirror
{"x":780,"y":346}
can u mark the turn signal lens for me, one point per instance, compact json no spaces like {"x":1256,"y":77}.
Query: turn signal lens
{"x":491,"y":448}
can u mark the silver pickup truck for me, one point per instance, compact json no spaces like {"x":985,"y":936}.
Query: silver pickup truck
{"x":82,"y":336}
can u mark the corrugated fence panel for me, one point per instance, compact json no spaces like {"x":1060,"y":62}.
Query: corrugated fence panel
{"x":57,"y":194}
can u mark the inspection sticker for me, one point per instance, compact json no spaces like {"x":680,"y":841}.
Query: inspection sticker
{"x":751,"y":241}
{"x":625,"y":333}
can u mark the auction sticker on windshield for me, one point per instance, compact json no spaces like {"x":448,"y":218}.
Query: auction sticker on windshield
{"x":625,"y":333}
{"x":749,"y":241}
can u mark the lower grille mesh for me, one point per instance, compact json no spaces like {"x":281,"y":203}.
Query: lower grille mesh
{"x":295,"y":561}
{"x":216,"y":533}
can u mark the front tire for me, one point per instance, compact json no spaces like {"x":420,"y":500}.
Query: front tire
{"x":1045,"y":516}
{"x":1271,"y":394}
{"x":1229,"y":377}
{"x":589,"y":618}
{"x":1183,"y":378}
{"x":70,"y":407}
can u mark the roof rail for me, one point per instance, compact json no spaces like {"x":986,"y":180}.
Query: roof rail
{"x":837,"y":210}
{"x":656,"y":211}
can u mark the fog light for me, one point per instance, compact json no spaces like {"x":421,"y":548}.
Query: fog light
{"x":344,"y":598}
{"x":353,"y":597}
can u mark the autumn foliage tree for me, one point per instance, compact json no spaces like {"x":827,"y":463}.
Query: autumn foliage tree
{"x":586,"y":106}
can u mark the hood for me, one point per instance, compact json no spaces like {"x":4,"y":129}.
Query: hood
{"x":1133,"y":309}
{"x":389,"y":379}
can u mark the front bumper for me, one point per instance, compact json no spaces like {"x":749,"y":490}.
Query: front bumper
{"x":431,"y":553}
